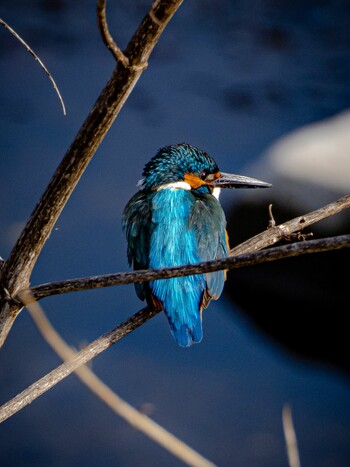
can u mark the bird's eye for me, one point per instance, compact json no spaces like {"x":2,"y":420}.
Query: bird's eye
{"x":203,"y":175}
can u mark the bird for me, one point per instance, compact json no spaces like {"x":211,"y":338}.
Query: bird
{"x":176,"y":219}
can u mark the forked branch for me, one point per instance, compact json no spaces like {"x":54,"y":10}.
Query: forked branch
{"x":106,"y":36}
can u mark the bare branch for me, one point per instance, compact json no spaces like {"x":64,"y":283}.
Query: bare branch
{"x":132,"y":416}
{"x":106,"y":36}
{"x":277,"y":233}
{"x":244,"y":260}
{"x":80,"y":358}
{"x":290,"y":437}
{"x":14,"y":33}
{"x":16,"y":272}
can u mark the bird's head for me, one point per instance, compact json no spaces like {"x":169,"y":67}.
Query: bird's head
{"x":187,"y":167}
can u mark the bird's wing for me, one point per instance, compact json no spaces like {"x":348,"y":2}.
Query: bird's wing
{"x":208,"y":221}
{"x":137,"y":224}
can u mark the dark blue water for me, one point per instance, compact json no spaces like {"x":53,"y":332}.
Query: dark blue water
{"x":229,"y":77}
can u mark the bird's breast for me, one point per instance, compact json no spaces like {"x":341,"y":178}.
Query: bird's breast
{"x":173,"y":241}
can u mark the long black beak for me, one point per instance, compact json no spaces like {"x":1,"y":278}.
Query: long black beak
{"x":239,"y":181}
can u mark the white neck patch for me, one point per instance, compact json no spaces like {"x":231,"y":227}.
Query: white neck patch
{"x":176,"y":186}
{"x":216,"y":192}
{"x":186,"y":186}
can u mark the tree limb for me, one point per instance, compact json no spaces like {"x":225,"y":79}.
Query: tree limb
{"x":249,"y":259}
{"x":80,"y":358}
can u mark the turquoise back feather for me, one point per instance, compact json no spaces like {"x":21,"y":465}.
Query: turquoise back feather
{"x":173,"y":243}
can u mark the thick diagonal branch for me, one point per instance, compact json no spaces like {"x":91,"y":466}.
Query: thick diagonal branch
{"x":17,"y":270}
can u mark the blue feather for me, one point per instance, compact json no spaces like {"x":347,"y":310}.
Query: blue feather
{"x":173,"y":243}
{"x":209,"y":222}
{"x":137,"y":223}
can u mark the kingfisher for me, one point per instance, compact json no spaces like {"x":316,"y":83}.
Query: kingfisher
{"x":175,"y":219}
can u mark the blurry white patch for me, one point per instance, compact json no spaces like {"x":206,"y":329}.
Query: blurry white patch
{"x":216,"y":192}
{"x":318,"y":153}
{"x":176,"y":185}
{"x":140,"y":182}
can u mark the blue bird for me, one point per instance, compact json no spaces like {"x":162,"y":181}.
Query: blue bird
{"x":176,"y":219}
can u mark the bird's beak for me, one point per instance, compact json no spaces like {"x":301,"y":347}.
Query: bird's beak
{"x":238,"y":181}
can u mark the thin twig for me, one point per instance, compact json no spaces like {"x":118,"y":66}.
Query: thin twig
{"x":106,"y":36}
{"x":14,"y":33}
{"x":244,"y":260}
{"x":132,"y":416}
{"x":290,"y":437}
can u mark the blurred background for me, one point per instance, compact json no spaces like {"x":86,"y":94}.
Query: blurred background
{"x":263,"y":87}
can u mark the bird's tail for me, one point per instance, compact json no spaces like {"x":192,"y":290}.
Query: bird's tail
{"x":187,"y":334}
{"x":186,"y":326}
{"x":181,"y":300}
